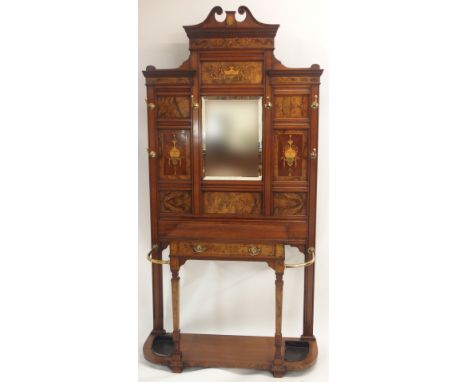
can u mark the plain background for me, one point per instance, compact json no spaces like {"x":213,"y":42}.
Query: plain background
{"x":234,"y":297}
{"x":69,"y":94}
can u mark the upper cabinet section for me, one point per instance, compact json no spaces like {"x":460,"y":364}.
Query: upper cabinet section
{"x":238,"y":51}
{"x":233,"y":132}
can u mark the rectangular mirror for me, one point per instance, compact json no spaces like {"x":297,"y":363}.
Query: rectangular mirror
{"x":232,"y":138}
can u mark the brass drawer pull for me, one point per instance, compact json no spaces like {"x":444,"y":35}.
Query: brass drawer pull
{"x":198,"y":248}
{"x":254,"y":251}
{"x":150,"y":257}
{"x":268,"y":104}
{"x":311,"y":251}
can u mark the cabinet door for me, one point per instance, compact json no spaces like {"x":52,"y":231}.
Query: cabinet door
{"x":174,"y":154}
{"x":290,"y":155}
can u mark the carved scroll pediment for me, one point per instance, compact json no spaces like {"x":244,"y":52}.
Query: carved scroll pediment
{"x":231,"y":26}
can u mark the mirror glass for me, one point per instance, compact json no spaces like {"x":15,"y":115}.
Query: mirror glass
{"x":232,"y":138}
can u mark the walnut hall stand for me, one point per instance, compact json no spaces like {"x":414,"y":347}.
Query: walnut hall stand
{"x":250,"y":212}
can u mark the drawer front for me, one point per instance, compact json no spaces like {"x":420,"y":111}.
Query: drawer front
{"x":224,"y":250}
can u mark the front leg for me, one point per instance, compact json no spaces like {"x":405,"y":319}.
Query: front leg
{"x":278,"y":369}
{"x":176,"y":363}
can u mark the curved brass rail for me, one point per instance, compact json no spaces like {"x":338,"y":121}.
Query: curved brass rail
{"x":149,"y":256}
{"x":310,"y":251}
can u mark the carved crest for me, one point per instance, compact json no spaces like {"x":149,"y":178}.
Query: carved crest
{"x":249,"y":27}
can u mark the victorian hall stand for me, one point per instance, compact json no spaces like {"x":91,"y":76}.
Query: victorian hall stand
{"x":250,"y":218}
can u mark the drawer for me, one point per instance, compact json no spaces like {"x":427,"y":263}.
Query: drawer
{"x":226,"y":250}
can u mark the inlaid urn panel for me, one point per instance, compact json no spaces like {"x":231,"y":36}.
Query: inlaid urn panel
{"x":291,"y":106}
{"x":289,"y":203}
{"x":290,"y":155}
{"x":239,"y":203}
{"x":173,"y":107}
{"x":231,"y":72}
{"x":174,"y":161}
{"x":175,"y":201}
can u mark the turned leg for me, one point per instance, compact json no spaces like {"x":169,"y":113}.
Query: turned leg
{"x":158,"y":302}
{"x":278,"y":368}
{"x":176,"y":364}
{"x":309,"y":275}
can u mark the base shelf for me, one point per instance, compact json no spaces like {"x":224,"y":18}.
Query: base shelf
{"x":249,"y":352}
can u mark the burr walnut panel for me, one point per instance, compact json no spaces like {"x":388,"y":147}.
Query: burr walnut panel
{"x":240,"y":203}
{"x":289,"y":203}
{"x":171,"y":81}
{"x":232,"y":72}
{"x":173,"y":107}
{"x":176,"y":201}
{"x":174,"y":162}
{"x":290,"y":155}
{"x":295,"y":106}
{"x":294,"y":80}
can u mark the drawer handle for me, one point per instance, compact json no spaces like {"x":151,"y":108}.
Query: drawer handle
{"x":198,"y":248}
{"x":254,"y":251}
{"x":310,"y":251}
{"x":150,"y":257}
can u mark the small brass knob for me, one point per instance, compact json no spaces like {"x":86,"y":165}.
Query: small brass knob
{"x":254,"y":251}
{"x":268,"y":103}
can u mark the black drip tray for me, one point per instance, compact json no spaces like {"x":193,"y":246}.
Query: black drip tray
{"x":163,"y":346}
{"x":296,"y":350}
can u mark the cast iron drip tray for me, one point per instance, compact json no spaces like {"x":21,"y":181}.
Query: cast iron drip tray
{"x":296,"y":350}
{"x":163,"y":345}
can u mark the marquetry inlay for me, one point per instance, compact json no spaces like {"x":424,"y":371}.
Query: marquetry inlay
{"x":232,"y":43}
{"x":289,"y":203}
{"x":231,"y":72}
{"x":176,"y":201}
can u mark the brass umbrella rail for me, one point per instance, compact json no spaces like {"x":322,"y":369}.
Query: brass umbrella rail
{"x":149,"y":256}
{"x":310,"y":251}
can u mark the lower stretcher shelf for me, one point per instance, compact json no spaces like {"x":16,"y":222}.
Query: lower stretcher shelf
{"x":209,"y":350}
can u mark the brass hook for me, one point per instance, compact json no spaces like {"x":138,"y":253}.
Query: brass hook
{"x":315,"y":104}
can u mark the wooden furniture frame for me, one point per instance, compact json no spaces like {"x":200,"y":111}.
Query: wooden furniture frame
{"x":232,"y":219}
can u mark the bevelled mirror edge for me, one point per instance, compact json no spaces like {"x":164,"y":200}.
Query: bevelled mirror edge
{"x":232,"y":131}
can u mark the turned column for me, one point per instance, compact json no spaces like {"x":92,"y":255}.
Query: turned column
{"x":175,"y":364}
{"x":278,"y":368}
